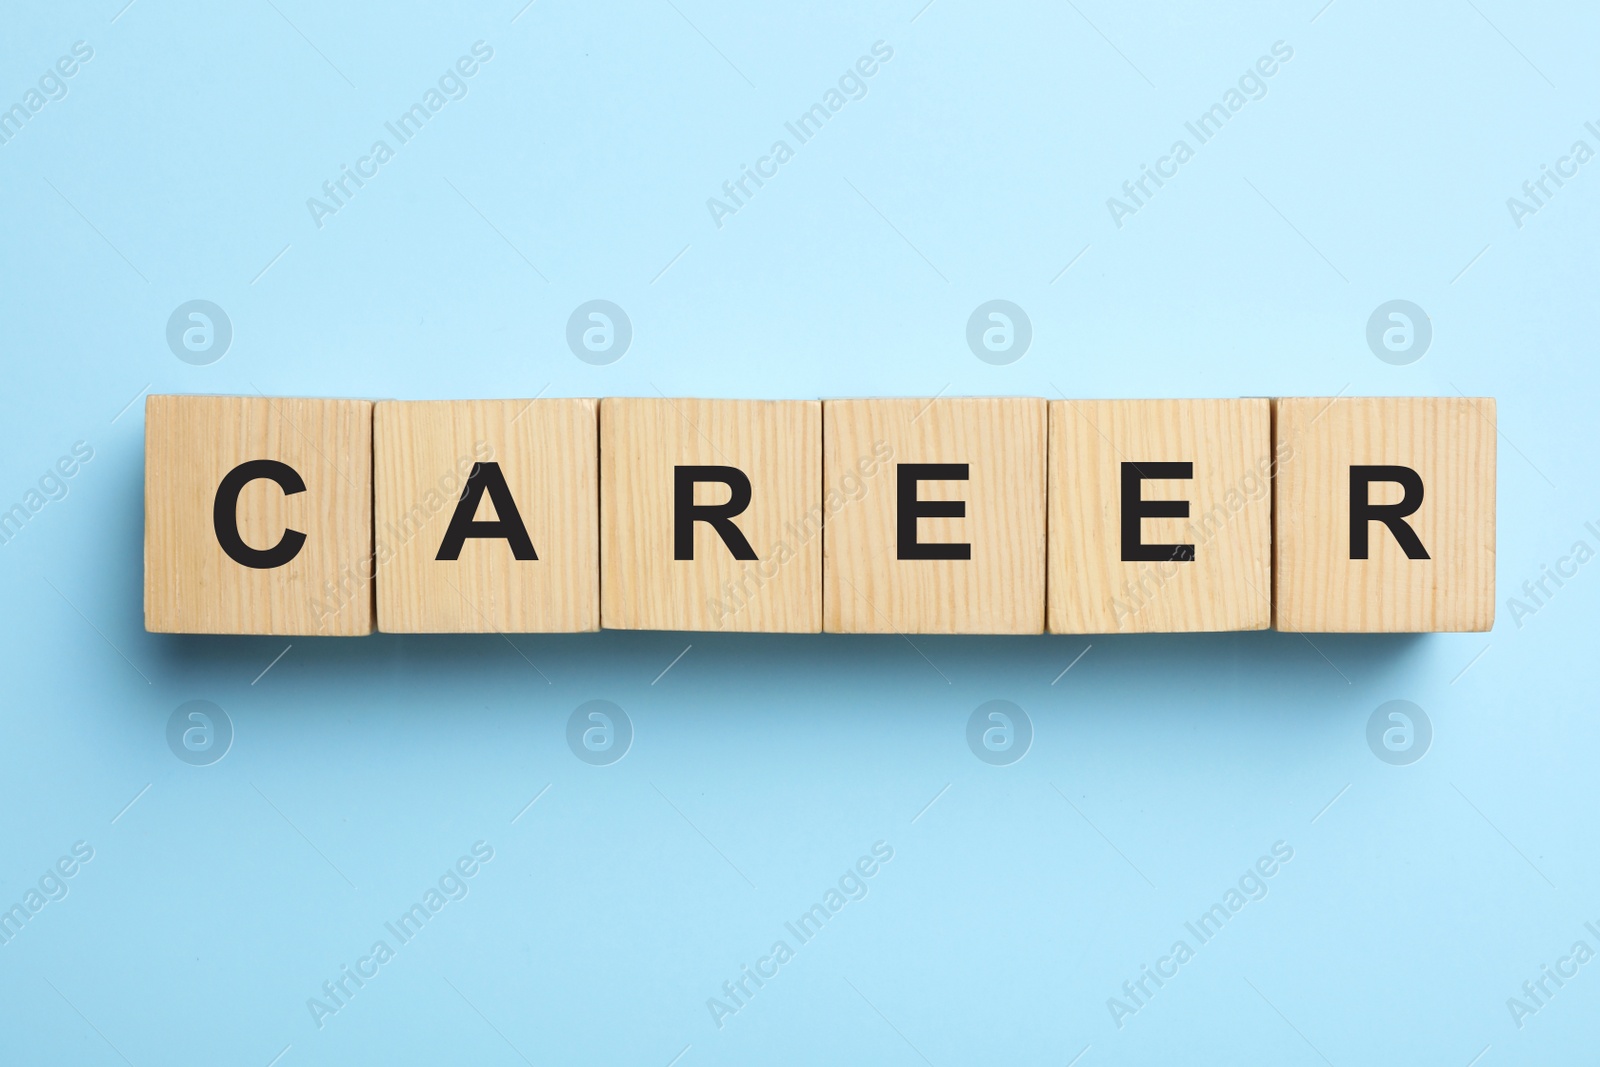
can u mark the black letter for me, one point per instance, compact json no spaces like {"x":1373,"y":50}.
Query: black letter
{"x":1391,"y":515}
{"x":1135,"y":509}
{"x":225,"y":514}
{"x":909,"y":509}
{"x":507,"y":522}
{"x":685,"y":512}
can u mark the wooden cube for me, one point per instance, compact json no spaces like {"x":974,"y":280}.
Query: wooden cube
{"x":1384,"y":514}
{"x":487,"y":516}
{"x":1160,"y":515}
{"x":711,"y":514}
{"x":935,"y":516}
{"x":258,"y":516}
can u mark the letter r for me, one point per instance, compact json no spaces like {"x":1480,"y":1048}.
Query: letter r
{"x":685,"y":512}
{"x":1391,"y":515}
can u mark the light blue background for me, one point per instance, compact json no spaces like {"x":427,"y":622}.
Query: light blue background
{"x":977,"y":166}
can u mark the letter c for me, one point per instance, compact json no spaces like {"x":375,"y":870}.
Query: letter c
{"x":763,"y":173}
{"x":362,"y":971}
{"x":1562,"y":971}
{"x":1163,"y":971}
{"x":1166,"y":174}
{"x":363,"y":171}
{"x":762,"y":971}
{"x":1573,"y":173}
{"x":1563,"y":571}
{"x":225,"y":514}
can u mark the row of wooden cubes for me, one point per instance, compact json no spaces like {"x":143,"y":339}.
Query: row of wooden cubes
{"x":957,"y":515}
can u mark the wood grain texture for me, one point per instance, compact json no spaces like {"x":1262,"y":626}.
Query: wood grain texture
{"x":1001,"y":589}
{"x":190,"y":584}
{"x":1227,"y":585}
{"x":547,"y":451}
{"x":778,"y":446}
{"x":1450,"y":443}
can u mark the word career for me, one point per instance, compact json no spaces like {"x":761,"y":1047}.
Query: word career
{"x":995,"y":515}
